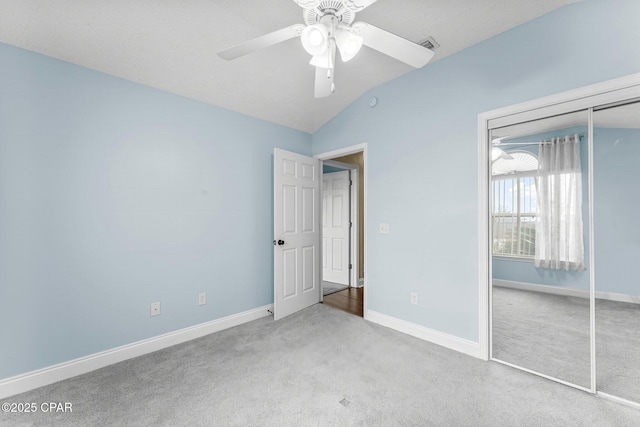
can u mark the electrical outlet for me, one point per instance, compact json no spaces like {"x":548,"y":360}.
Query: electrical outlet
{"x":155,"y":309}
{"x":414,"y":298}
{"x":384,"y":228}
{"x":202,"y":298}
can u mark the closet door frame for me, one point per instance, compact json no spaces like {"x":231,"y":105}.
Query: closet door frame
{"x":587,"y":98}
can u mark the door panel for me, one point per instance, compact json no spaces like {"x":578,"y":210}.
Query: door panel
{"x":289,"y":208}
{"x":540,"y":312}
{"x":289,"y":273}
{"x":337,"y":254}
{"x":308,"y":206}
{"x":296,"y":234}
{"x":337,"y":204}
{"x":308,"y":268}
{"x":616,"y":153}
{"x":336,"y":227}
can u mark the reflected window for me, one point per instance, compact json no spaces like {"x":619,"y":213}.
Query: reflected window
{"x":515,"y":208}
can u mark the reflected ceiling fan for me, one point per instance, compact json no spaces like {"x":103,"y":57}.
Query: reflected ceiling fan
{"x":329,"y":27}
{"x":497,"y":152}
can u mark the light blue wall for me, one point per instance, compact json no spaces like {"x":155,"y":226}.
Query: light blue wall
{"x":422,"y":151}
{"x":113,"y":196}
{"x":524,"y":270}
{"x":616,"y":153}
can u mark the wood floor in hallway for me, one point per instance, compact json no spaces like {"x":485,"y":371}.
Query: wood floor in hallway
{"x":350,"y":300}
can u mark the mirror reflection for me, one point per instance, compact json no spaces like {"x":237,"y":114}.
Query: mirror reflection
{"x":539,"y":213}
{"x":616,"y":152}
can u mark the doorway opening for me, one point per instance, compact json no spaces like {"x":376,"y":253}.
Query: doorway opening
{"x":343,"y":229}
{"x":337,"y":223}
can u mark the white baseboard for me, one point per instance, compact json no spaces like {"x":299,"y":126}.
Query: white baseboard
{"x":570,"y":292}
{"x":546,"y":289}
{"x":613,"y":398}
{"x":62,"y":371}
{"x":440,"y":338}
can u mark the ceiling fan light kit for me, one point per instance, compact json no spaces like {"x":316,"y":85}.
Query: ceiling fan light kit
{"x":329,"y":25}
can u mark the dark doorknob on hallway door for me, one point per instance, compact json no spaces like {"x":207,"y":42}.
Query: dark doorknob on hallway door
{"x":280,"y":242}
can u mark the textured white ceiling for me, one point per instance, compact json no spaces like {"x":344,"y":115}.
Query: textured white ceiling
{"x":172,"y":45}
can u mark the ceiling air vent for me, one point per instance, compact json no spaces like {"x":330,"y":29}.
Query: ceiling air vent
{"x":430,"y":43}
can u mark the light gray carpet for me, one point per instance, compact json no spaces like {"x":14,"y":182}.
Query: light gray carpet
{"x":329,"y":288}
{"x":297,"y":371}
{"x":543,"y":332}
{"x":550,"y":334}
{"x":618,"y":349}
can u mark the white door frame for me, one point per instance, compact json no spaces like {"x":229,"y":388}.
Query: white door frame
{"x":354,"y":202}
{"x":584,"y":98}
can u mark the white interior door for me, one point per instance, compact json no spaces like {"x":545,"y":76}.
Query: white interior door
{"x":335,"y":227}
{"x":296,"y":180}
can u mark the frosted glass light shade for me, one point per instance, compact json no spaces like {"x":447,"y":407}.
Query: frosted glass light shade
{"x":348,"y":44}
{"x":326,"y":59}
{"x":322,"y":61}
{"x":315,"y":39}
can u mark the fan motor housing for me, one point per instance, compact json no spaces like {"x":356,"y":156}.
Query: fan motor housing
{"x":328,"y":7}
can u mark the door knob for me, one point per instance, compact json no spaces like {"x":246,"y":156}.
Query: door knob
{"x":280,"y":242}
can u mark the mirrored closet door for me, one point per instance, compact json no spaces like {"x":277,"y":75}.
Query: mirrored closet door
{"x":561,"y":179}
{"x":616,"y":164}
{"x":539,"y":207}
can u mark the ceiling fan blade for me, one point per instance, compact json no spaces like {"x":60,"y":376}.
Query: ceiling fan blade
{"x":262,"y":42}
{"x":395,"y":46}
{"x":307,"y":4}
{"x":358,"y":5}
{"x":498,"y":153}
{"x":324,"y":82}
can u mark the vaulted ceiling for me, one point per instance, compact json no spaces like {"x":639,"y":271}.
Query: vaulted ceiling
{"x":172,"y":45}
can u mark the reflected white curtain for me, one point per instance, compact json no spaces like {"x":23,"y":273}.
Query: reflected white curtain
{"x":559,"y":241}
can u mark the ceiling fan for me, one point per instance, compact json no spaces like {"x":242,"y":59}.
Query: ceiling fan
{"x":328,"y":26}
